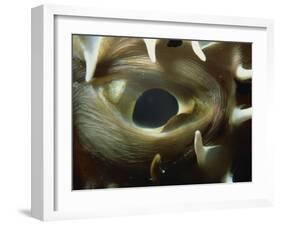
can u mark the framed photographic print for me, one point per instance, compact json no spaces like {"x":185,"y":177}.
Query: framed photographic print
{"x":136,"y":112}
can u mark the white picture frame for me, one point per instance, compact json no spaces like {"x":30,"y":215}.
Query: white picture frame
{"x":52,"y":197}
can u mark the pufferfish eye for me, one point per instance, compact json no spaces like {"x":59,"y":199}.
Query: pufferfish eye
{"x":138,"y":102}
{"x":161,"y":105}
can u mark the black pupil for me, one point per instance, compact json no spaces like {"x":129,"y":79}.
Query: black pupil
{"x":154,"y":108}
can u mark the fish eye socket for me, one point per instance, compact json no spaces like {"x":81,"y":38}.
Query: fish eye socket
{"x":154,"y":108}
{"x":160,"y":102}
